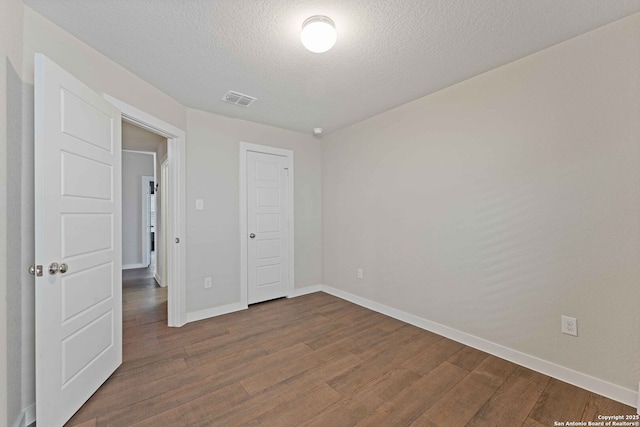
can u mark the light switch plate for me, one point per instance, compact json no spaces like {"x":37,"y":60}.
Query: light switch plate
{"x":199,"y":204}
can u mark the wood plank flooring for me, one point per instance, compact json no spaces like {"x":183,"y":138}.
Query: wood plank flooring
{"x":315,"y":360}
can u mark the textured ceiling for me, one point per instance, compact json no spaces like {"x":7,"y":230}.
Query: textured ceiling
{"x":388,"y":51}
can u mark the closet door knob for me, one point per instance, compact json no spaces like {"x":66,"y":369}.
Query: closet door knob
{"x":54,"y":268}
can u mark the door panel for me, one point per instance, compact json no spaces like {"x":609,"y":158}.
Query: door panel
{"x":85,"y":233}
{"x":85,"y":122}
{"x":85,"y":345}
{"x":76,"y":296}
{"x":267,"y":201}
{"x":78,"y":223}
{"x":75,"y":168}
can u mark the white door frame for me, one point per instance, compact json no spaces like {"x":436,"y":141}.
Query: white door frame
{"x":176,"y":253}
{"x":244,"y":282}
{"x":162,"y":232}
{"x":146,"y":217}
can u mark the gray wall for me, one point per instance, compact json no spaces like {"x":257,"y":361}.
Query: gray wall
{"x":497,"y":205}
{"x":134,"y":167}
{"x":138,"y":139}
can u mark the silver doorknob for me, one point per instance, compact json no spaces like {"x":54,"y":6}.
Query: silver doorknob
{"x":54,"y":268}
{"x":63,"y":268}
{"x":35,"y":270}
{"x":252,"y":235}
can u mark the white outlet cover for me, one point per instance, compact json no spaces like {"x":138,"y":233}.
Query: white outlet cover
{"x":207,"y":282}
{"x":569,"y":325}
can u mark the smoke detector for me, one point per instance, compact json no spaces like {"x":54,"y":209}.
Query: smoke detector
{"x":317,"y":131}
{"x":238,"y":98}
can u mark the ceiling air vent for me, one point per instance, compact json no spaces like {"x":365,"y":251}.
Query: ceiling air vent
{"x":238,"y":98}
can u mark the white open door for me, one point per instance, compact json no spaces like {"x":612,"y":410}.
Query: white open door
{"x":78,"y":242}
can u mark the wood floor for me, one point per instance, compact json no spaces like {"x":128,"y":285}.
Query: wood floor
{"x":316,"y":360}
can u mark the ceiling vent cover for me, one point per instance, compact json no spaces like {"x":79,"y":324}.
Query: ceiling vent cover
{"x":238,"y":98}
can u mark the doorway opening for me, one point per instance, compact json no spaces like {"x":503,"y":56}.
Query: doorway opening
{"x":142,"y":153}
{"x":175,"y":276}
{"x":139,"y":209}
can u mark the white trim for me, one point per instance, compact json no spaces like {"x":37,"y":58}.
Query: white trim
{"x":194,"y":316}
{"x":238,"y":306}
{"x":144,"y":120}
{"x":244,"y":148}
{"x":150,"y":153}
{"x":305,"y":291}
{"x":27,"y":417}
{"x":161,"y":228}
{"x":587,"y":382}
{"x":176,"y":254}
{"x":146,"y":219}
{"x":244,"y":299}
{"x":158,"y":279}
{"x":132,"y":266}
{"x":584,"y":381}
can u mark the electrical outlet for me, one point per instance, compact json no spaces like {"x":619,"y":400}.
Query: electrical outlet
{"x":359,"y":273}
{"x":569,"y":325}
{"x":207,"y":282}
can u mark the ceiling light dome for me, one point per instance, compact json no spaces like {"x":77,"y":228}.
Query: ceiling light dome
{"x":318,"y":34}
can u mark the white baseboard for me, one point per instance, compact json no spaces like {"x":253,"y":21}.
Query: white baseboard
{"x":132,"y":266}
{"x":30,"y":415}
{"x":27,"y":417}
{"x":587,"y":382}
{"x":158,"y":279}
{"x":194,"y":316}
{"x":298,"y":292}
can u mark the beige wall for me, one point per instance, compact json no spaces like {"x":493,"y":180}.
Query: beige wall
{"x":213,"y":174}
{"x":11,"y":401}
{"x":497,"y":205}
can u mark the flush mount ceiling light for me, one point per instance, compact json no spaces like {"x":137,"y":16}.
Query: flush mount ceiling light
{"x":318,"y":34}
